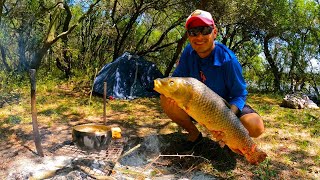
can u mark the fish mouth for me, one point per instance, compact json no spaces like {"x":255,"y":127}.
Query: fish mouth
{"x":160,"y":86}
{"x":157,"y":84}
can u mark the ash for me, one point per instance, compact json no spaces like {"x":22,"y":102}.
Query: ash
{"x":26,"y":167}
{"x":48,"y":167}
{"x":150,"y":146}
{"x":143,"y":162}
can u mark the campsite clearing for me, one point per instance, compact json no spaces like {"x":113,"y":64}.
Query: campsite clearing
{"x":291,"y":139}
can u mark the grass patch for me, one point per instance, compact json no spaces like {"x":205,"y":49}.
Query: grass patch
{"x":288,"y":117}
{"x":291,"y":139}
{"x":265,"y":108}
{"x":303,"y":145}
{"x":11,"y":120}
{"x":117,"y":106}
{"x":266,"y":170}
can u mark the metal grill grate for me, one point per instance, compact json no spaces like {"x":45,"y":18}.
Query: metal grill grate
{"x":95,"y":164}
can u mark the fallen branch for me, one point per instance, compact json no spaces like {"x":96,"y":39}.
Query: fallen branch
{"x":130,"y":151}
{"x":177,"y":155}
{"x":182,"y":156}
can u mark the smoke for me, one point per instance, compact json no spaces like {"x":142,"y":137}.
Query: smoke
{"x":150,"y":146}
{"x":138,"y":162}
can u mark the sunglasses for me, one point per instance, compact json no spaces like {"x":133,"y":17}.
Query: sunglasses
{"x":204,"y":30}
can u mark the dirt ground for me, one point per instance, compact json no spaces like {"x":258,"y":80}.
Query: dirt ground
{"x":154,"y":143}
{"x":156,"y":153}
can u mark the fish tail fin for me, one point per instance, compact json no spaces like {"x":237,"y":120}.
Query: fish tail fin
{"x":256,"y":156}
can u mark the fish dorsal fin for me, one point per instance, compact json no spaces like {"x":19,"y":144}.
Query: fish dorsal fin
{"x":226,"y":103}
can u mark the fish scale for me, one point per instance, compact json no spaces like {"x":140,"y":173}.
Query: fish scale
{"x":211,"y":111}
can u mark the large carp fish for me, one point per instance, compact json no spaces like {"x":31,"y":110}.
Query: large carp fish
{"x":211,"y":111}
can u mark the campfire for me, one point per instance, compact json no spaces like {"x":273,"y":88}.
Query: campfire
{"x":70,"y":161}
{"x":93,"y":153}
{"x":94,"y":150}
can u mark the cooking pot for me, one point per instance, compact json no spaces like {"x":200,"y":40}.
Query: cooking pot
{"x":91,"y":137}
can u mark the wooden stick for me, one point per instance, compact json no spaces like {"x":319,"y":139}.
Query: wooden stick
{"x":181,"y":156}
{"x":36,"y":135}
{"x":130,"y":151}
{"x":104,"y":101}
{"x":170,"y":155}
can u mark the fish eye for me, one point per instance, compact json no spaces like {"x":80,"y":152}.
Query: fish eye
{"x":171,"y":83}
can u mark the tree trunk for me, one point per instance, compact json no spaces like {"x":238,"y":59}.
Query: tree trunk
{"x":271,"y":61}
{"x":315,"y":86}
{"x":38,"y":56}
{"x":4,"y":58}
{"x":50,"y":39}
{"x":23,"y":65}
{"x":1,"y":7}
{"x":118,"y":46}
{"x":66,"y":58}
{"x":292,"y":74}
{"x":176,"y":54}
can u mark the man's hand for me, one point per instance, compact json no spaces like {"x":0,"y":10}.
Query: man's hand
{"x":167,"y":101}
{"x":172,"y":109}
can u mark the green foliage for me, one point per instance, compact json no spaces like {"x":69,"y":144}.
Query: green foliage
{"x":62,"y":102}
{"x":265,"y":109}
{"x":119,"y":107}
{"x":12,"y":119}
{"x":137,"y":28}
{"x":266,"y":171}
{"x":303,"y":144}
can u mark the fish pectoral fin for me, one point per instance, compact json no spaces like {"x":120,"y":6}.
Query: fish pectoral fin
{"x":256,"y":156}
{"x":237,"y":151}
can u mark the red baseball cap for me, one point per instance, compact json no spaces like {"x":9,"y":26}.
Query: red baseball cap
{"x":199,"y":18}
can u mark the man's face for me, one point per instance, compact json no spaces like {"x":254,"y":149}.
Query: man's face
{"x":202,"y":44}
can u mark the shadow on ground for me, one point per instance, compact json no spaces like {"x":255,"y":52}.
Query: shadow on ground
{"x":164,"y":152}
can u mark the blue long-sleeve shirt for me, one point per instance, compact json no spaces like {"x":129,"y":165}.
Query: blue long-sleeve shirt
{"x":220,"y":71}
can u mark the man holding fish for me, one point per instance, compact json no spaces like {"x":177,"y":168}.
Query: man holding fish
{"x":217,"y":67}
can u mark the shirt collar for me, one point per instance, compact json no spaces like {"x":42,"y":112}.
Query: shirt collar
{"x":217,"y":54}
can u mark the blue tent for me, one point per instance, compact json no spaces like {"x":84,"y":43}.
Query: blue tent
{"x":128,"y":77}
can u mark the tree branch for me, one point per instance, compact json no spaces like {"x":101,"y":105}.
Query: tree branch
{"x":65,"y":33}
{"x":37,"y":57}
{"x":1,"y":7}
{"x":155,"y":46}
